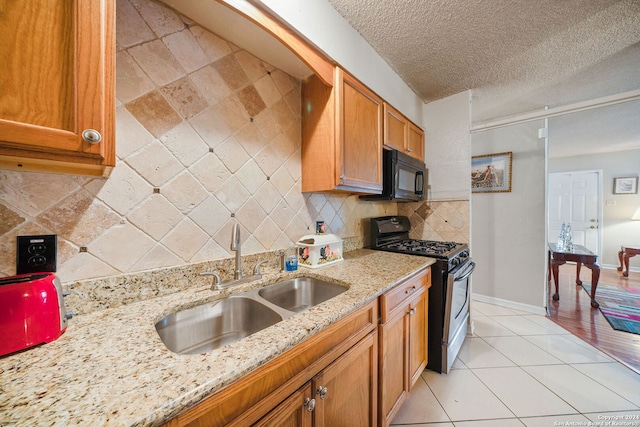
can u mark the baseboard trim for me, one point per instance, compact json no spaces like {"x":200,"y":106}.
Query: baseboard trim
{"x":509,"y":304}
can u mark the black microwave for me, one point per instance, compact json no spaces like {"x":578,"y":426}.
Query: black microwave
{"x":404,"y":179}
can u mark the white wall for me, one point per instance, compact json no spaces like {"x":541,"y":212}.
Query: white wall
{"x":319,"y":22}
{"x":617,"y":227}
{"x":448,"y":147}
{"x":508,"y":241}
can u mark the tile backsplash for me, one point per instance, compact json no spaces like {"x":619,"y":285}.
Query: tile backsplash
{"x":207,"y":135}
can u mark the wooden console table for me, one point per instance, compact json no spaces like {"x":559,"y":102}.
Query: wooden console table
{"x":580,"y":255}
{"x":624,"y":254}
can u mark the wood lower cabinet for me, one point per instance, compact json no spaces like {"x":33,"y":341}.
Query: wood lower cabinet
{"x":341,"y":136}
{"x":403,"y":342}
{"x":342,"y":358}
{"x":343,"y":394}
{"x":58,"y":82}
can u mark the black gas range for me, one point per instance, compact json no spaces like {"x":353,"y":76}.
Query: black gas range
{"x":391,"y":233}
{"x":449,"y":294}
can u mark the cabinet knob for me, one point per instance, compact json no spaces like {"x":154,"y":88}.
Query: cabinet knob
{"x":409,"y":149}
{"x":91,"y":136}
{"x":310,"y":404}
{"x":322,"y":392}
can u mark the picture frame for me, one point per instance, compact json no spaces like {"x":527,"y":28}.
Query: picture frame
{"x":625,"y":185}
{"x":491,"y":173}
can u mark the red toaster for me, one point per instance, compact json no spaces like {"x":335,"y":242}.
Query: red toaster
{"x":32,"y":311}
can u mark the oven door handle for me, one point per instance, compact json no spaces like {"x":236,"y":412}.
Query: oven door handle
{"x":470,"y":268}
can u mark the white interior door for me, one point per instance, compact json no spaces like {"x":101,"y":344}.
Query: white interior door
{"x":573,"y":199}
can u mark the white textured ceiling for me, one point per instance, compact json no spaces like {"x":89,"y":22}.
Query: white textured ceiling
{"x":508,"y":51}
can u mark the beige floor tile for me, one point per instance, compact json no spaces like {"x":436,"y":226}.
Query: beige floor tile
{"x":420,"y":407}
{"x":490,"y":309}
{"x":567,"y":350}
{"x":464,"y":397}
{"x":476,"y":353}
{"x":486,"y":327}
{"x":521,"y":325}
{"x":522,"y":394}
{"x":616,"y":378}
{"x":521,"y":351}
{"x":578,"y":390}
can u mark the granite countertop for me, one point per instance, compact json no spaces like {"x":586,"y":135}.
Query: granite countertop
{"x":110,"y":367}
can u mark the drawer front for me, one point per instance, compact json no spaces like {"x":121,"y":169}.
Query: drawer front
{"x":398,"y":297}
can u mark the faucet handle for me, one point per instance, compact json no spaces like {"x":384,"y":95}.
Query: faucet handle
{"x":216,"y":276}
{"x":256,"y":269}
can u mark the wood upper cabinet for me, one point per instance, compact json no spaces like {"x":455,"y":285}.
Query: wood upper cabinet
{"x":403,"y":343}
{"x":400,"y":133}
{"x":57,"y":82}
{"x":341,"y":136}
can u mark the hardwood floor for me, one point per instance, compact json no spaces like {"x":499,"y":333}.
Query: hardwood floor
{"x":574,"y":313}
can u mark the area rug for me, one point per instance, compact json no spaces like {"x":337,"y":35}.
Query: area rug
{"x":619,"y":305}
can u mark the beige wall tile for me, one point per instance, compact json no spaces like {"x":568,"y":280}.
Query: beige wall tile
{"x":155,"y":163}
{"x":185,"y":240}
{"x":79,"y":218}
{"x":156,"y":216}
{"x":215,"y":47}
{"x":231,"y":153}
{"x":157,"y":257}
{"x":32,"y":193}
{"x":131,"y":81}
{"x":130,"y":27}
{"x":254,"y":67}
{"x":122,"y":191}
{"x":184,"y":97}
{"x":251,"y":176}
{"x":130,"y":134}
{"x":157,"y":62}
{"x":121,"y":246}
{"x":231,"y":72}
{"x":10,"y":219}
{"x":186,"y":49}
{"x":154,"y":113}
{"x":184,"y":192}
{"x":251,"y":100}
{"x":210,"y":84}
{"x":232,"y":194}
{"x":185,"y":144}
{"x":159,"y":17}
{"x":251,"y":214}
{"x":210,"y":215}
{"x":210,"y":172}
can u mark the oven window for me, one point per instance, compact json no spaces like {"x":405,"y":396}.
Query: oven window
{"x":406,"y":180}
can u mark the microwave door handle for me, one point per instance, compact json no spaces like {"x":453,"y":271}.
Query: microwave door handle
{"x":419,"y":183}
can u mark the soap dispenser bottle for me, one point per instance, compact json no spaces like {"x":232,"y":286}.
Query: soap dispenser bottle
{"x":292,"y":261}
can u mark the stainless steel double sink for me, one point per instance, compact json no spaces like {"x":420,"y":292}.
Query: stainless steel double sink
{"x":212,"y":325}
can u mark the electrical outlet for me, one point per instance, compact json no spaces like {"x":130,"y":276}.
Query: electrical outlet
{"x":611,"y":203}
{"x":35,"y":254}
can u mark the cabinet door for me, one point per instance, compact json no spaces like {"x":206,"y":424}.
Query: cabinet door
{"x":415,"y":142}
{"x":57,"y":81}
{"x":295,"y":411}
{"x":417,"y":338}
{"x":393,"y":380}
{"x":395,"y":128}
{"x":346,"y":391}
{"x":359,"y":131}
